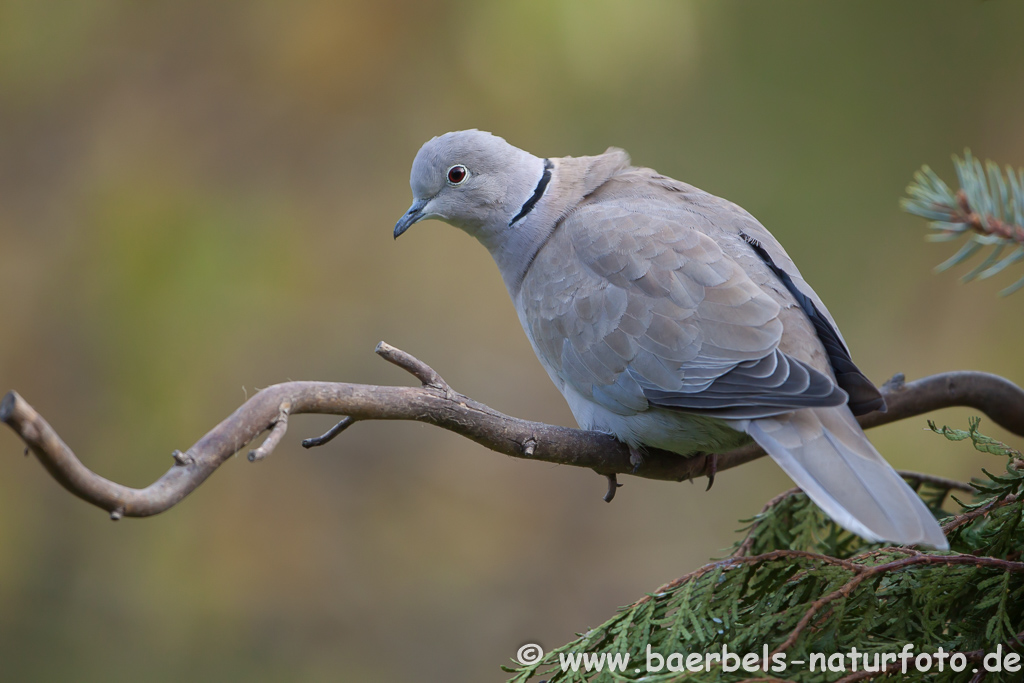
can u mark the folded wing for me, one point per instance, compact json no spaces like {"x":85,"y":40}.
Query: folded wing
{"x":634,"y":310}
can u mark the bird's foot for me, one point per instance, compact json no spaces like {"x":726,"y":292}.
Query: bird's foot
{"x":636,"y":458}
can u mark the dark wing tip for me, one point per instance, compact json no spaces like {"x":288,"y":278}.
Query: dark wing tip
{"x":864,"y":396}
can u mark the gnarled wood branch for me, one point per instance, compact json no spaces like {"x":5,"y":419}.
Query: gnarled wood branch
{"x":436,"y":403}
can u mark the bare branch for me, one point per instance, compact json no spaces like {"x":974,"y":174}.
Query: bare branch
{"x":280,"y":426}
{"x":329,"y":435}
{"x":918,"y":478}
{"x":437,"y":404}
{"x":410,"y":363}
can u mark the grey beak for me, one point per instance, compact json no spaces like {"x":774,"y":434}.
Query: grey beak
{"x":413,"y":215}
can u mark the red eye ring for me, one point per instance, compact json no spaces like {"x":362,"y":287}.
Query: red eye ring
{"x":457,"y":174}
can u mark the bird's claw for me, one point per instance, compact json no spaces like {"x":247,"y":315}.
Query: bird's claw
{"x":711,"y":468}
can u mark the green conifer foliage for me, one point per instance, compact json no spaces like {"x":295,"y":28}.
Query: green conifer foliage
{"x":988,"y":208}
{"x":797,"y":585}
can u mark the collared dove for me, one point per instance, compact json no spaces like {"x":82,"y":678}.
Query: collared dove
{"x":671,"y":318}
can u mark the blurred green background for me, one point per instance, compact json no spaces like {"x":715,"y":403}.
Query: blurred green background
{"x":197,"y":199}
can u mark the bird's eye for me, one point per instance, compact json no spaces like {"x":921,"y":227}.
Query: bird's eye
{"x":457,"y":174}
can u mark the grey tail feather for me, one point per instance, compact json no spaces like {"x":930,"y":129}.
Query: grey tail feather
{"x":827,"y":454}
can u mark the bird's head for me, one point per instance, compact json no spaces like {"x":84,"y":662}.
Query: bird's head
{"x":472,"y":180}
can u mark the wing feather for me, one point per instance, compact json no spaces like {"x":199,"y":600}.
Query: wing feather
{"x":633,"y":310}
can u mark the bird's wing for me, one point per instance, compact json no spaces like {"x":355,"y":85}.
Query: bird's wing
{"x":632,"y":306}
{"x":750,"y":244}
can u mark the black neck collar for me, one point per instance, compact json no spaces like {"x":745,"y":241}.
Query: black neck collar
{"x":538,"y":192}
